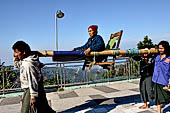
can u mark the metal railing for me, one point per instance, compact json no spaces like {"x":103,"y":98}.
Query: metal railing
{"x":67,"y":74}
{"x":70,"y":73}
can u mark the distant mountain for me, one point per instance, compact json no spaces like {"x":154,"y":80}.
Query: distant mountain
{"x":73,"y":73}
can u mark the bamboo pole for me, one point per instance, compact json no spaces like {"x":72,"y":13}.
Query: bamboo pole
{"x":44,"y":53}
{"x":50,"y":53}
{"x":123,"y":52}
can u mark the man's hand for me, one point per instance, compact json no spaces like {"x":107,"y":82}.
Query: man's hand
{"x":87,"y":51}
{"x":14,"y":55}
{"x":32,"y":101}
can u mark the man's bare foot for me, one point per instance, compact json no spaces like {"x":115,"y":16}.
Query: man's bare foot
{"x":143,"y":107}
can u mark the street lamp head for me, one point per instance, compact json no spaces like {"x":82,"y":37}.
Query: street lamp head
{"x":59,"y":14}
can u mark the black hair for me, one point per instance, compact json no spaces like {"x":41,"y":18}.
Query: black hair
{"x":166,"y":46}
{"x":22,"y":47}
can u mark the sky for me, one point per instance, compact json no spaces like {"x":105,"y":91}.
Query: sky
{"x":33,"y":21}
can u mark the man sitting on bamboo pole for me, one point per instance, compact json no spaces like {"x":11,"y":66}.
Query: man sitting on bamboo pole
{"x":94,"y":43}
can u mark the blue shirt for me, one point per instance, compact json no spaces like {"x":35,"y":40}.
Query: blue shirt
{"x":161,"y":70}
{"x":96,"y":45}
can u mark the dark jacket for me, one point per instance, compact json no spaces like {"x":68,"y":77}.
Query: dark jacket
{"x":96,"y":45}
{"x":146,"y":68}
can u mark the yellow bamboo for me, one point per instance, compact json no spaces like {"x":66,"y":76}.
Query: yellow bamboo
{"x":123,"y":52}
{"x":50,"y":53}
{"x":44,"y":53}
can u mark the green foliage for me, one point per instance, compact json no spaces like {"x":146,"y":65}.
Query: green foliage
{"x":131,"y":67}
{"x":51,"y":81}
{"x":10,"y":77}
{"x":108,"y":74}
{"x":146,"y":43}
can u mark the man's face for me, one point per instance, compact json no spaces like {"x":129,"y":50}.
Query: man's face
{"x":91,"y":32}
{"x":19,"y":54}
{"x":145,"y":56}
{"x":161,"y":49}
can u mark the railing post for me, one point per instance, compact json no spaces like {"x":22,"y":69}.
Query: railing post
{"x":87,"y":77}
{"x":129,"y":69}
{"x":61,"y":77}
{"x":64,"y":77}
{"x":57,"y":81}
{"x":3,"y":74}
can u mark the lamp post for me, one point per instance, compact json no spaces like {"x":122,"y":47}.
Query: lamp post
{"x":58,"y":14}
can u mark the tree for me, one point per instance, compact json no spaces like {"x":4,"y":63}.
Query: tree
{"x":146,"y":43}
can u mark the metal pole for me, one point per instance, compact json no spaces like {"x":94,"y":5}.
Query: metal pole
{"x":129,"y":70}
{"x":58,"y":14}
{"x":56,"y":32}
{"x":64,"y":76}
{"x":3,"y":72}
{"x":61,"y":77}
{"x":87,"y":76}
{"x":57,"y":81}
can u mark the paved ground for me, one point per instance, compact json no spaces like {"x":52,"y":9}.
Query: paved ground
{"x":118,"y":97}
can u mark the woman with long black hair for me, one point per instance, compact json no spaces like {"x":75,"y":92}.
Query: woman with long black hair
{"x":161,"y":75}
